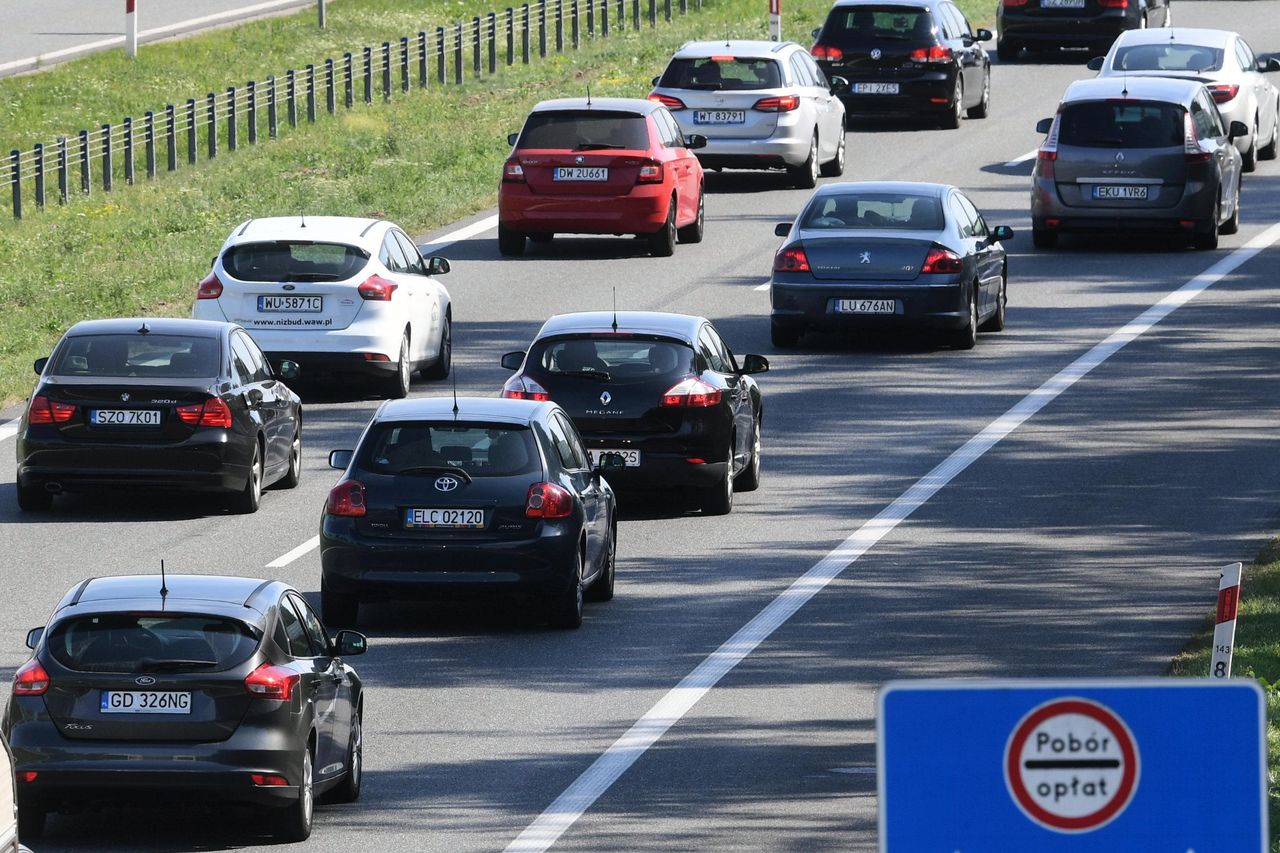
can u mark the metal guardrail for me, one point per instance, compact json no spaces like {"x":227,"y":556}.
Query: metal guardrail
{"x":182,"y":131}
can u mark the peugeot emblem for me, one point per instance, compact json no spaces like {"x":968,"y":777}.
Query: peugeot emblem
{"x":579,"y":159}
{"x":446,"y":484}
{"x":124,"y":398}
{"x":864,"y":258}
{"x":605,"y":397}
{"x":144,"y":681}
{"x":876,"y":54}
{"x":1119,"y":156}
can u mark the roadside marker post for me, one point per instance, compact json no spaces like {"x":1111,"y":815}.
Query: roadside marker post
{"x":131,"y":28}
{"x":775,"y":20}
{"x":1224,"y":628}
{"x":1104,"y":766}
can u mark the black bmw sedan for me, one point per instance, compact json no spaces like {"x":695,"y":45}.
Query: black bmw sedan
{"x":889,"y":255}
{"x":663,"y":391}
{"x":467,"y":498}
{"x":159,"y":404}
{"x":145,"y":689}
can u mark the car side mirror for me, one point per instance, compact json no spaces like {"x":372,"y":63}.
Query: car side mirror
{"x":512,"y":137}
{"x":437,"y":265}
{"x":513,"y":360}
{"x":607,"y":462}
{"x":982,"y":35}
{"x":33,"y":637}
{"x":655,"y":80}
{"x":39,"y":365}
{"x":695,"y":140}
{"x":350,"y":643}
{"x":839,"y":85}
{"x":1271,"y":63}
{"x":782,"y":229}
{"x":1001,"y":233}
{"x":1044,"y":125}
{"x":817,"y":31}
{"x":1237,"y":130}
{"x":1096,"y":63}
{"x":752,"y":363}
{"x":340,"y":459}
{"x":287,"y":369}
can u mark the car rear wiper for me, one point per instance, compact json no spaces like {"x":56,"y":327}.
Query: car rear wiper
{"x":1106,"y":141}
{"x":707,"y":87}
{"x":311,"y":276}
{"x":149,"y":665}
{"x":436,"y":469}
{"x":586,"y":373}
{"x":592,"y":146}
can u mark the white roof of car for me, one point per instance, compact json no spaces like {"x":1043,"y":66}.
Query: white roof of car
{"x":363,"y":232}
{"x":742,"y":48}
{"x":1177,"y":35}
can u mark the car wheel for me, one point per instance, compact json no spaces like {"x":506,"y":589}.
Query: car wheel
{"x":31,"y":822}
{"x":1232,"y":225}
{"x":248,"y":499}
{"x":834,"y":167}
{"x":1043,"y":238}
{"x":1208,"y":239}
{"x":995,"y":323}
{"x":692,"y":233}
{"x":662,"y":243}
{"x":1268,"y":151}
{"x":339,"y":610}
{"x":510,"y":244}
{"x":397,"y":386}
{"x":967,"y":337}
{"x":294,"y":474}
{"x":295,"y":819}
{"x":983,"y":108}
{"x":805,"y":176}
{"x":1007,"y":51}
{"x":951,"y":118}
{"x":32,"y":498}
{"x":783,"y":337}
{"x":718,"y":499}
{"x":348,"y":790}
{"x":566,"y":609}
{"x":439,"y":369}
{"x":1249,"y":161}
{"x":601,"y":588}
{"x":748,"y":480}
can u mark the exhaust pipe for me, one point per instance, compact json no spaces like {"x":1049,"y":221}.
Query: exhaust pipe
{"x":53,"y":488}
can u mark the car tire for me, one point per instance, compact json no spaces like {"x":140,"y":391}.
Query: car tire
{"x":31,"y":822}
{"x":1249,"y":160}
{"x":601,"y":588}
{"x":995,"y":323}
{"x":1043,"y":238}
{"x":782,"y":336}
{"x":834,"y":167}
{"x":1269,"y":151}
{"x":983,"y":108}
{"x":662,"y":243}
{"x":1232,"y":225}
{"x":805,"y":176}
{"x":951,"y":118}
{"x":748,"y":480}
{"x":1007,"y":51}
{"x":339,"y":610}
{"x":293,"y":823}
{"x":692,"y":233}
{"x":247,"y":500}
{"x":967,"y":336}
{"x":348,"y":790}
{"x":510,"y":243}
{"x":34,"y":498}
{"x":397,"y":386}
{"x":718,"y":499}
{"x":294,"y":473}
{"x":566,"y":607}
{"x":1207,"y":240}
{"x":440,"y":368}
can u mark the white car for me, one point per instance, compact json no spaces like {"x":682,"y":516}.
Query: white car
{"x":1223,"y":61}
{"x":337,"y":295}
{"x":8,"y":805}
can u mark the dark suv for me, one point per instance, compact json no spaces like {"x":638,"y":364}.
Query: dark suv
{"x":1052,"y":24}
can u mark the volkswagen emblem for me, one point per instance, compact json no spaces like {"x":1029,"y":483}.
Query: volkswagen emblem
{"x":605,"y":398}
{"x":1119,"y":156}
{"x":876,"y":54}
{"x":579,"y":159}
{"x":864,"y":258}
{"x":124,"y":398}
{"x":447,"y":484}
{"x":144,"y":681}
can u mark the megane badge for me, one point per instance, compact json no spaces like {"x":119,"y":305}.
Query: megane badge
{"x":875,"y":54}
{"x":864,"y":258}
{"x":124,"y":398}
{"x":605,"y":398}
{"x":144,"y":681}
{"x":447,"y":484}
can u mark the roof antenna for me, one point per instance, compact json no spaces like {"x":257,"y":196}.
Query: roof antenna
{"x":615,"y":310}
{"x":303,"y":215}
{"x":144,"y":329}
{"x":588,"y":95}
{"x":455,"y":392}
{"x":164,"y":588}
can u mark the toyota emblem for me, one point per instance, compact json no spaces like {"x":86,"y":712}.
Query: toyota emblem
{"x":605,"y":398}
{"x":447,"y":484}
{"x":876,"y":54}
{"x":144,"y":681}
{"x":124,"y":398}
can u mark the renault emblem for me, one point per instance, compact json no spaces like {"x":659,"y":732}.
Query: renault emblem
{"x":605,"y":398}
{"x":446,"y":484}
{"x":876,"y":54}
{"x":144,"y":681}
{"x":124,"y":398}
{"x":1119,"y":156}
{"x":864,"y":258}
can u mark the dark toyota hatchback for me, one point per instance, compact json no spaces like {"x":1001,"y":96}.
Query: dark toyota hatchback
{"x":663,"y":391}
{"x":150,"y":403}
{"x":464,"y":498}
{"x":145,"y":689}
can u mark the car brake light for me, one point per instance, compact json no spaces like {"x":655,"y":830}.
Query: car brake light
{"x":28,"y":776}
{"x":346,"y":499}
{"x":667,"y":101}
{"x":1048,"y":151}
{"x":691,"y":393}
{"x":213,"y":412}
{"x":46,"y":411}
{"x":777,"y":104}
{"x":375,"y":288}
{"x":271,"y":780}
{"x":271,"y":682}
{"x":940,"y":260}
{"x":209,"y":287}
{"x":826,"y":51}
{"x":547,"y":500}
{"x":1192,"y":152}
{"x":524,"y":388}
{"x":513,"y":172}
{"x":1114,"y":4}
{"x":1014,"y":3}
{"x":650,"y":172}
{"x":1223,"y":92}
{"x":791,"y":259}
{"x":932,"y":53}
{"x":30,"y":679}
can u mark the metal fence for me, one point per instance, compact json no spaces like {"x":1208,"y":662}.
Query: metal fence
{"x":223,"y":121}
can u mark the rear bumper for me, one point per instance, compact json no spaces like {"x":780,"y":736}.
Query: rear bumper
{"x":345,"y":363}
{"x":1063,"y":31}
{"x":642,"y":211}
{"x":932,"y":90}
{"x":935,"y":306}
{"x":1198,"y":202}
{"x":753,"y":153}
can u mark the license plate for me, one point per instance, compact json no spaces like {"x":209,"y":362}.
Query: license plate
{"x":865,"y":306}
{"x":291,"y":304}
{"x":719,"y":116}
{"x":124,"y":417}
{"x":145,"y":702}
{"x":875,"y":88}
{"x":1062,"y":4}
{"x":472,"y":519}
{"x":631,"y":458}
{"x":580,"y":173}
{"x":1114,"y":191}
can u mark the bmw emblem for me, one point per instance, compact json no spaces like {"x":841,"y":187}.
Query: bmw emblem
{"x":605,"y":398}
{"x":876,"y":54}
{"x":144,"y":681}
{"x":447,"y":484}
{"x":124,"y":398}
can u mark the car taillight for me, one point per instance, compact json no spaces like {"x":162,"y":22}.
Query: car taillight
{"x":1048,"y":151}
{"x":30,"y":679}
{"x":777,"y":104}
{"x":1114,"y":4}
{"x":271,"y":682}
{"x":513,"y":172}
{"x":209,"y":287}
{"x":213,"y":412}
{"x":28,"y":776}
{"x":1191,"y":150}
{"x":1223,"y":92}
{"x":932,"y":53}
{"x":826,"y":51}
{"x":650,"y":172}
{"x":270,"y":780}
{"x":375,"y":288}
{"x":524,"y":388}
{"x":691,"y":393}
{"x":547,"y":500}
{"x":1014,"y":3}
{"x":46,"y":411}
{"x":346,"y":499}
{"x":791,"y":259}
{"x":667,"y":101}
{"x":941,"y":260}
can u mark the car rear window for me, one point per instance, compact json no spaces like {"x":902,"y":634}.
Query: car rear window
{"x":851,"y":26}
{"x":480,"y":449}
{"x":151,"y":642}
{"x":585,"y":130}
{"x":621,"y":357}
{"x":722,"y":73}
{"x":292,"y":260}
{"x":156,"y":356}
{"x":1167,"y":57}
{"x":1122,"y":124}
{"x":905,"y":211}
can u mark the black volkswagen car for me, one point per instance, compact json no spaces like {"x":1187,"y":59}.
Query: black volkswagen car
{"x":663,"y":391}
{"x":144,"y":689}
{"x":152,"y":403}
{"x":468,"y":497}
{"x":1043,"y":25}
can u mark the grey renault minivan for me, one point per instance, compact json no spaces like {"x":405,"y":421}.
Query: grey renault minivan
{"x":1142,"y":154}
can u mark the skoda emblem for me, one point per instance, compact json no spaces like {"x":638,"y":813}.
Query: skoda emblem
{"x":875,"y":54}
{"x":605,"y":398}
{"x":144,"y":681}
{"x":446,"y":484}
{"x":864,"y":258}
{"x":579,"y":159}
{"x":1119,"y":156}
{"x":124,"y":398}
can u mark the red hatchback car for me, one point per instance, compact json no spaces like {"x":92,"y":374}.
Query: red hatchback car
{"x":601,"y":166}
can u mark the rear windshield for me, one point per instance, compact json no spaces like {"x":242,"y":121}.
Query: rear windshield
{"x":158,"y":356}
{"x":585,"y":130}
{"x":905,"y":211}
{"x":282,"y":260}
{"x":1122,"y":124}
{"x":722,"y":73}
{"x":480,"y":449}
{"x":1167,"y":57}
{"x":151,"y":642}
{"x":615,"y":357}
{"x":871,"y":25}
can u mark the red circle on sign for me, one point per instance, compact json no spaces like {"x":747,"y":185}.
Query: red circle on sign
{"x":1128,"y":778}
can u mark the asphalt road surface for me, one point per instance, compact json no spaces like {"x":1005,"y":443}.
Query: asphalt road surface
{"x":1085,"y":542}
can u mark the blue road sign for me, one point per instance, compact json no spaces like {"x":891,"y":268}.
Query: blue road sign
{"x":1170,"y":764}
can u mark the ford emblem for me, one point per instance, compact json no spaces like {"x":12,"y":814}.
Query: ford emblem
{"x":605,"y":398}
{"x":289,"y":287}
{"x":447,"y":484}
{"x":144,"y":681}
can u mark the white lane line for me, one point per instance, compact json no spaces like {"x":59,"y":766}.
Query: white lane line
{"x":464,"y":233}
{"x":285,"y":559}
{"x":10,"y":429}
{"x":595,"y":780}
{"x":1021,"y":158}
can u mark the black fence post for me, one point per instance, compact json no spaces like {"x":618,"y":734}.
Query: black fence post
{"x":368,"y":75}
{"x":128,"y":156}
{"x":233,"y":132}
{"x":252,"y":117}
{"x":684,"y":7}
{"x":15,"y":181}
{"x":63,"y":178}
{"x":604,"y":18}
{"x":653,"y":13}
{"x":404,"y":63}
{"x":273,"y":124}
{"x":524,"y":34}
{"x":311,"y":93}
{"x":422,"y":59}
{"x":542,"y":28}
{"x":149,"y":143}
{"x":666,"y":10}
{"x":211,"y":115}
{"x":39,"y":152}
{"x":440,"y":75}
{"x":457,"y":53}
{"x":106,"y":158}
{"x":622,"y":15}
{"x":591,"y":18}
{"x":330,"y":90}
{"x":84,"y":162}
{"x":559,"y":26}
{"x":511,"y":36}
{"x":493,"y":43}
{"x":348,"y":81}
{"x":386,"y":71}
{"x":191,"y":131}
{"x":171,"y":136}
{"x":635,"y":15}
{"x":573,"y":25}
{"x":476,"y":66}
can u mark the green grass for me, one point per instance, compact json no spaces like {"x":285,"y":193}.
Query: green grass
{"x":1257,"y":655}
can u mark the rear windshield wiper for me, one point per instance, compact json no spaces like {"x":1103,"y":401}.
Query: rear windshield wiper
{"x":591,"y":146}
{"x":312,"y":276}
{"x":166,"y":665}
{"x":709,"y":87}
{"x":1104,"y":141}
{"x":586,"y":373}
{"x":435,"y":469}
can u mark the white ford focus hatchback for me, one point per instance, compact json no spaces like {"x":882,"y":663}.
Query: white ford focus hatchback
{"x":337,"y":295}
